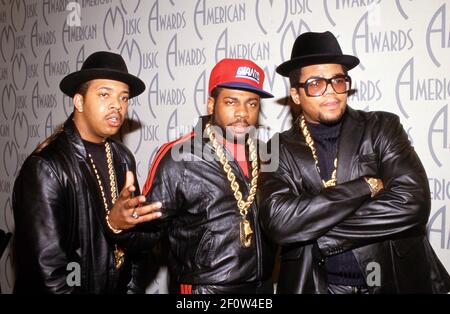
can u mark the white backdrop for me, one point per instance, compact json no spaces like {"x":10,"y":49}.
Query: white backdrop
{"x":404,"y":47}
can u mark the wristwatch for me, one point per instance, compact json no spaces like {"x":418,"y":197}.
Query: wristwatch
{"x":375,"y":188}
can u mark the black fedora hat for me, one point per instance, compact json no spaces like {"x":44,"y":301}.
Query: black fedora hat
{"x":316,"y":48}
{"x":102,"y":65}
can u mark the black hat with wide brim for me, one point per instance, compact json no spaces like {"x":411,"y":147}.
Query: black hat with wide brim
{"x":316,"y":48}
{"x":102,"y":65}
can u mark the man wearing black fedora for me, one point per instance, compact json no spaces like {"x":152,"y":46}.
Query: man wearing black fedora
{"x":75,"y":193}
{"x":350,"y":201}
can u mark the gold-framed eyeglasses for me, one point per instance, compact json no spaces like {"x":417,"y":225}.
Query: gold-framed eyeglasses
{"x":316,"y":86}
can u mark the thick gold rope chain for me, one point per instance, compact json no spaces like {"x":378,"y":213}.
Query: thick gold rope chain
{"x":245,"y":227}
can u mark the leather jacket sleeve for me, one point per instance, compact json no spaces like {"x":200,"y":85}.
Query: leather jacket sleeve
{"x":403,"y":205}
{"x":41,"y":225}
{"x":290,"y":213}
{"x":164,"y":186}
{"x":161,"y":189}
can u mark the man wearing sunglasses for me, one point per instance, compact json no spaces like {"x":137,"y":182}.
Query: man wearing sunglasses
{"x":350,"y":201}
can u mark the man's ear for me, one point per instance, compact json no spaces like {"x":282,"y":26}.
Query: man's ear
{"x":78,"y":102}
{"x":295,"y":96}
{"x":210,"y":105}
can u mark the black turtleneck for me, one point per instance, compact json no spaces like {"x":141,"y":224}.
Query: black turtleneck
{"x":342,"y":269}
{"x":98,"y":153}
{"x":325,"y":141}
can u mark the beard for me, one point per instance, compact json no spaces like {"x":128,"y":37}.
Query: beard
{"x":327,"y":120}
{"x":228,"y":133}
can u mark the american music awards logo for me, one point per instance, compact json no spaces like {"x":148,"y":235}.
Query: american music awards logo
{"x":267,"y":11}
{"x":165,"y":22}
{"x":440,"y":230}
{"x":290,"y":33}
{"x":439,"y":136}
{"x":365,"y":40}
{"x":438,"y":36}
{"x":228,"y":14}
{"x":7,"y":40}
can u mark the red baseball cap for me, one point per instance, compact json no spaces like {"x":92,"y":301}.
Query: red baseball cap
{"x":239,"y":74}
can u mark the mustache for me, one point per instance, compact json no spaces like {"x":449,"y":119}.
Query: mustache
{"x":239,"y":121}
{"x":114,"y":114}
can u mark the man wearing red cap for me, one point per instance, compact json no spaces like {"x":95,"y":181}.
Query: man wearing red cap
{"x":206,"y":182}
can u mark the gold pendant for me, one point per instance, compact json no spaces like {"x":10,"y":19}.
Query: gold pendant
{"x":119,"y":257}
{"x":246,"y":233}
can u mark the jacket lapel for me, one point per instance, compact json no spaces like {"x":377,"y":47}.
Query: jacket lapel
{"x":349,"y":142}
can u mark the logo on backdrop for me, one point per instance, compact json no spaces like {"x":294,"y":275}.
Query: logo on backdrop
{"x":347,"y":5}
{"x":54,"y":68}
{"x":153,"y":98}
{"x":131,"y":52}
{"x":39,"y":39}
{"x":438,"y":135}
{"x":438,"y":36}
{"x":42,"y":102}
{"x":67,"y":105}
{"x":80,"y":58}
{"x":54,"y":7}
{"x":162,"y":22}
{"x":8,"y":43}
{"x":431,"y":90}
{"x":130,"y":6}
{"x":367,"y":90}
{"x":255,"y":51}
{"x":19,"y":71}
{"x":10,"y":159}
{"x":174,"y":130}
{"x":21,"y":130}
{"x":400,"y":8}
{"x":378,"y":42}
{"x":113,"y":28}
{"x":440,"y":215}
{"x":267,"y":11}
{"x":132,"y":127}
{"x":75,"y":35}
{"x":273,"y":80}
{"x":50,"y":127}
{"x":288,"y":37}
{"x":8,"y":102}
{"x":226,"y":14}
{"x":18,"y":14}
{"x":182,"y":57}
{"x":164,"y":97}
{"x":200,"y":94}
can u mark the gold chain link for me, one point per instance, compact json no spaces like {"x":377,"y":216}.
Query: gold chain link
{"x":309,"y":140}
{"x":119,"y":254}
{"x":243,"y":206}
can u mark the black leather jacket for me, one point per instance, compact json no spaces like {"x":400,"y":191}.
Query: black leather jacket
{"x":311,"y":222}
{"x":60,"y":218}
{"x":203,"y":219}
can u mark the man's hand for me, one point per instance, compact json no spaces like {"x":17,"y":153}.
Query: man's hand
{"x":128,"y":211}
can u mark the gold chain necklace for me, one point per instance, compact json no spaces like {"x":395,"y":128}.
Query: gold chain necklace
{"x":245,"y":227}
{"x":119,"y":254}
{"x":309,"y":140}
